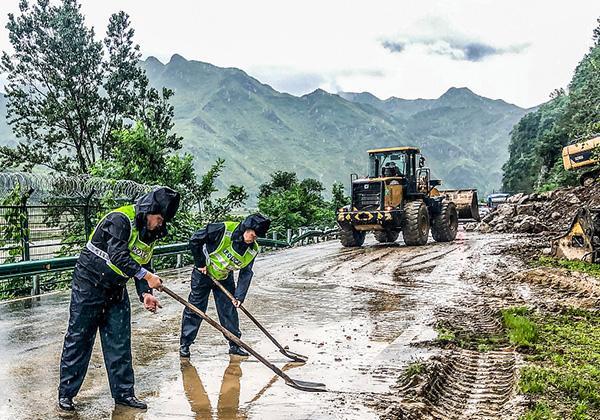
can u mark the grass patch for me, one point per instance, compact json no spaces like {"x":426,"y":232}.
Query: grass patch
{"x":414,"y":368}
{"x":564,"y":348}
{"x":580,"y":266}
{"x":468,"y":340}
{"x":445,"y":335}
{"x":521,"y":331}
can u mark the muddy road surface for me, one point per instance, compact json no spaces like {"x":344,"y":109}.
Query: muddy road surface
{"x":360,"y":315}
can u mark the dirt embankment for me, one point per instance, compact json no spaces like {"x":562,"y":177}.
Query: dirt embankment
{"x":549,"y":212}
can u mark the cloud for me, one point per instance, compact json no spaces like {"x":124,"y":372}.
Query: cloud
{"x":299,"y":83}
{"x":393,"y":46}
{"x":454,"y":47}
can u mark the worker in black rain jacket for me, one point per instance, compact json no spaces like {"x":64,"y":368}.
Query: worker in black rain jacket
{"x":119,"y":248}
{"x":219,"y":250}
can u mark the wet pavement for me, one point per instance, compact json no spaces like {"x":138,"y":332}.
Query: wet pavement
{"x":353,"y":312}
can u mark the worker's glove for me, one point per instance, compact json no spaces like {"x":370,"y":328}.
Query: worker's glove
{"x":201,"y":269}
{"x":236,"y":302}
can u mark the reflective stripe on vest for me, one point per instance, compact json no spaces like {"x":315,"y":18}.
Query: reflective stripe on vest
{"x":224,"y":259}
{"x":139,"y":251}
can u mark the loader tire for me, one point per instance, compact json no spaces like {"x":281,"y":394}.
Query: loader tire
{"x":352,"y":238}
{"x":385,"y":236}
{"x":416,"y":223}
{"x":445,"y":225}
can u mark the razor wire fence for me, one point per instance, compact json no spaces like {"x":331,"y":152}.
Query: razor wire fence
{"x":44,"y":227}
{"x":41,"y":187}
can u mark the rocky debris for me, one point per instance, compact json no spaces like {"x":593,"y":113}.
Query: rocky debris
{"x":549,"y":212}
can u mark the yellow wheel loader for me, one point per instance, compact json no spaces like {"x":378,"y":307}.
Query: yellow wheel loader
{"x":398,"y":195}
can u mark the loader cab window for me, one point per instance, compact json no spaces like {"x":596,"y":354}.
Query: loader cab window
{"x":386,"y":165}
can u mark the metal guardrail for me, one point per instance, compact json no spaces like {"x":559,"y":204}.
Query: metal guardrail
{"x":31,"y":268}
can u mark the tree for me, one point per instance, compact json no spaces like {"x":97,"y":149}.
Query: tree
{"x":537,"y":140}
{"x":67,"y":93}
{"x":292,"y":204}
{"x":339,"y":198}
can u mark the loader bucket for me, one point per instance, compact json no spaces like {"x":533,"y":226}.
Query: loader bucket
{"x":581,"y":241}
{"x":465,"y":201}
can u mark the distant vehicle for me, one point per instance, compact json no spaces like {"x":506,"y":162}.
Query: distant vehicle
{"x":494,"y":200}
{"x":581,"y":156}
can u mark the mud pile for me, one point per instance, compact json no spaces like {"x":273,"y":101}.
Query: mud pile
{"x":549,"y":212}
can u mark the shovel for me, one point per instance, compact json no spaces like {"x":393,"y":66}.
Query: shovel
{"x":294,"y":383}
{"x":290,"y":354}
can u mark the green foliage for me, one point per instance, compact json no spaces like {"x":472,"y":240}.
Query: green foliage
{"x":573,"y":265}
{"x":339,"y":198}
{"x":564,"y":377}
{"x":540,"y":411}
{"x":537,"y":140}
{"x":522,"y":332}
{"x":147,"y":156}
{"x":68,"y":92}
{"x":414,"y":368}
{"x":291,"y":203}
{"x":444,"y":334}
{"x":12,"y":227}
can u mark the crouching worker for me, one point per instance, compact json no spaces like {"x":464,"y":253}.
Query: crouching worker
{"x":218,"y":250}
{"x":119,"y":248}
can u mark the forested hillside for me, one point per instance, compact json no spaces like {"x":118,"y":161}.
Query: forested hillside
{"x":537,"y":140}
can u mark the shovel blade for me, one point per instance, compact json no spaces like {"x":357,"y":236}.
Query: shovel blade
{"x":307,"y":386}
{"x":294,"y":356}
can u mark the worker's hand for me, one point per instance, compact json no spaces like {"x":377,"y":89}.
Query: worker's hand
{"x":236,"y":303}
{"x":151,"y":303}
{"x":201,"y":269}
{"x":153,"y":280}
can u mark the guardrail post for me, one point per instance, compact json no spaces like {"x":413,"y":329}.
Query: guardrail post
{"x":179,"y":261}
{"x":289,"y":236}
{"x":35,"y":289}
{"x":274,"y":236}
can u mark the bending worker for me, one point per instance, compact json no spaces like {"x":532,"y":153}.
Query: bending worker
{"x":119,"y":248}
{"x":218,"y":250}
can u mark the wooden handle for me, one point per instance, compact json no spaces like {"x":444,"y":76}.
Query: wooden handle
{"x":226,"y":333}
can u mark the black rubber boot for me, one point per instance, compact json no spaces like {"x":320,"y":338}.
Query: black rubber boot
{"x":66,"y":404}
{"x":184,"y":351}
{"x":238,"y":351}
{"x":131,"y":401}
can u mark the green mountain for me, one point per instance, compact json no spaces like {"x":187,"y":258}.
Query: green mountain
{"x":223,"y":112}
{"x":464,"y":135}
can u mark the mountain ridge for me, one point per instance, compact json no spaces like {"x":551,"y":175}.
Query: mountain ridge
{"x":223,"y":112}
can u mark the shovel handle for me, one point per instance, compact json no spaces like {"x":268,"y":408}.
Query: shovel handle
{"x":249,"y":315}
{"x":226,"y":333}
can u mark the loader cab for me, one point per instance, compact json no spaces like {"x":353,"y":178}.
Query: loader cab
{"x":393,"y":162}
{"x":403,"y":166}
{"x":392,"y":174}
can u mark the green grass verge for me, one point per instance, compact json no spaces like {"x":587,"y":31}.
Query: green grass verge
{"x":564,"y":350}
{"x":580,"y":266}
{"x":521,"y":331}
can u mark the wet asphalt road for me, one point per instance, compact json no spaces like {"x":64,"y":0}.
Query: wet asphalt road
{"x":354,"y":312}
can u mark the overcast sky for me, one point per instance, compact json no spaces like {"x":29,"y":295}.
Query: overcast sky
{"x":517,"y":50}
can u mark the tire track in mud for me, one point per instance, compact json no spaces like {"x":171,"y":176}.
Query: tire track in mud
{"x":467,"y":384}
{"x":462,"y":380}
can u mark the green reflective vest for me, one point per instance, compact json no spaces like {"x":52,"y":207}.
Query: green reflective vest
{"x":139,"y":251}
{"x":224,"y":259}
